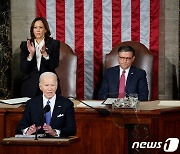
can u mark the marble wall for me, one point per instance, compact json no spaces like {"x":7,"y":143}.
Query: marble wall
{"x":23,"y":12}
{"x":5,"y":49}
{"x":169,"y":50}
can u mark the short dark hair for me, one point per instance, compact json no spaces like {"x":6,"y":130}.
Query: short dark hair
{"x":126,"y":49}
{"x":44,"y":21}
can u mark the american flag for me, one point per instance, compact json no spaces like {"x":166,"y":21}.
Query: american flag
{"x":93,"y":27}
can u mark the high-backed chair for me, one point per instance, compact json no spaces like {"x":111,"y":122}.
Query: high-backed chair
{"x":143,"y":60}
{"x":67,"y":70}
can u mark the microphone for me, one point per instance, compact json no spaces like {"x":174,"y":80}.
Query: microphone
{"x":102,"y":112}
{"x":42,"y":114}
{"x":45,"y":110}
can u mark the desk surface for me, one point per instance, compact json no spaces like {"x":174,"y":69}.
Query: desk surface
{"x":145,"y":108}
{"x":2,"y":105}
{"x":148,"y":105}
{"x":40,"y":141}
{"x":43,"y":145}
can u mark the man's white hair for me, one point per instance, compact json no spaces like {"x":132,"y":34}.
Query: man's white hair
{"x":45,"y":74}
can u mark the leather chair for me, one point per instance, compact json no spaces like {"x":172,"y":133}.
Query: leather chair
{"x":67,"y":70}
{"x":143,"y":60}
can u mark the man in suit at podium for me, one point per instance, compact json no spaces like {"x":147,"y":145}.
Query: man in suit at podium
{"x":124,"y":78}
{"x":50,"y":113}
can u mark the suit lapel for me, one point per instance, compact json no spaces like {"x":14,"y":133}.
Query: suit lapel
{"x":34,"y":60}
{"x":48,"y":46}
{"x":130,"y":77}
{"x":117,"y":75}
{"x":40,"y":103}
{"x":56,"y":111}
{"x":40,"y":109}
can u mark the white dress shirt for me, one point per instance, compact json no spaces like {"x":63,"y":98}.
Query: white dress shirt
{"x":38,"y":48}
{"x":52,"y":103}
{"x":126,"y":73}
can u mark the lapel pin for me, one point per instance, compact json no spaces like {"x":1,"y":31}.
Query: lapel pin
{"x":60,"y":115}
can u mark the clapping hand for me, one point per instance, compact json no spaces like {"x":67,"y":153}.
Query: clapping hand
{"x":43,"y":51}
{"x":31,"y":49}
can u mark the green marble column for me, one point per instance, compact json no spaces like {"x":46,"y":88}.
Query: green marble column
{"x":5,"y":50}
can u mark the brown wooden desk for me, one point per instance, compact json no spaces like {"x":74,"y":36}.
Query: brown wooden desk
{"x":42,"y":145}
{"x":2,"y":123}
{"x":112,"y":134}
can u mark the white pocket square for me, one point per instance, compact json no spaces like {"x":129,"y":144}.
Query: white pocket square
{"x":60,"y":115}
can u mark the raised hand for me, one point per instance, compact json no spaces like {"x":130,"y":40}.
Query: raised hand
{"x":31,"y":49}
{"x":48,"y":129}
{"x":43,"y":51}
{"x":32,"y":129}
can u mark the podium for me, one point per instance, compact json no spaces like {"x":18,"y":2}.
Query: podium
{"x":15,"y":145}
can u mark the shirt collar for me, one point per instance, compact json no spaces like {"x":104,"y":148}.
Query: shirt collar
{"x":40,"y":44}
{"x":52,"y":100}
{"x":126,"y":70}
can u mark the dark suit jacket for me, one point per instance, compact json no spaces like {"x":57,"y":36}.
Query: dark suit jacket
{"x":30,"y":83}
{"x":136,"y":83}
{"x":34,"y":114}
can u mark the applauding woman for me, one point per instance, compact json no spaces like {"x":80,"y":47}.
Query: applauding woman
{"x":39,"y":54}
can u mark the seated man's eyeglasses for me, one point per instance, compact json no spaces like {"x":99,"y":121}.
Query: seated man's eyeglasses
{"x":125,"y":58}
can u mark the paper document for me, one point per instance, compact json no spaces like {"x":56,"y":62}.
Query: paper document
{"x":28,"y":136}
{"x":91,"y":103}
{"x":109,"y":101}
{"x":169,"y":103}
{"x":15,"y":101}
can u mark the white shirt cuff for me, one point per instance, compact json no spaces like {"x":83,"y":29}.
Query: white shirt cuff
{"x":24,"y":130}
{"x":47,"y":57}
{"x":58,"y":132}
{"x":29,"y":59}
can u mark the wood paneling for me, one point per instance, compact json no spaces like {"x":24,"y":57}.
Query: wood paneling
{"x":110,"y":134}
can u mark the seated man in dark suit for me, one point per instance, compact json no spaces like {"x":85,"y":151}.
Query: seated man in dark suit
{"x":57,"y":120}
{"x":134,"y":79}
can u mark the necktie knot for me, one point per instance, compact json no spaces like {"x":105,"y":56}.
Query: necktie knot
{"x":123,"y":72}
{"x":48,"y":102}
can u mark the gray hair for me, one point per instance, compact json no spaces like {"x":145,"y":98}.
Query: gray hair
{"x":45,"y":74}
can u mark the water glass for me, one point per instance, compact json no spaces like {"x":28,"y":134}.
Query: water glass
{"x":133,"y":100}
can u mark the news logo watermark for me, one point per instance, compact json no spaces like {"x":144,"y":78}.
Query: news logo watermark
{"x":170,"y":145}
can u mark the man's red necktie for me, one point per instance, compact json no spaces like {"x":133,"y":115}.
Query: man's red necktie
{"x":122,"y":85}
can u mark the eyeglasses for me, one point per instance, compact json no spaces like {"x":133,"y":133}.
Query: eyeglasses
{"x":125,"y":58}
